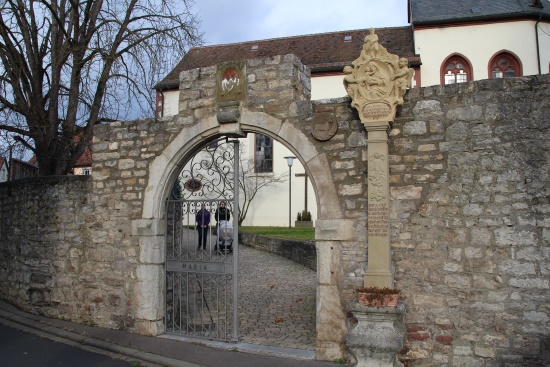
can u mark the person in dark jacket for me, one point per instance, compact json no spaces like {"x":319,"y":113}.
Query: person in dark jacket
{"x":203,"y":222}
{"x":221,"y":214}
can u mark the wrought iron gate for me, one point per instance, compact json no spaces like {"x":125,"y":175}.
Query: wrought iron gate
{"x":201,"y":283}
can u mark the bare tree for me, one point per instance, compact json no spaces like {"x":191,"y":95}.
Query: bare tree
{"x":68,"y":65}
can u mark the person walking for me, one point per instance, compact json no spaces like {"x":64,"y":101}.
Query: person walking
{"x":221,"y":214}
{"x":203,"y":222}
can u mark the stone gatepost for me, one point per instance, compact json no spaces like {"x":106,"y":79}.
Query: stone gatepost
{"x":378,"y":336}
{"x":376,"y":83}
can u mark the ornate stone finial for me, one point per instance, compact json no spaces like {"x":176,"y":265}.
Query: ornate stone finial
{"x":377,"y":81}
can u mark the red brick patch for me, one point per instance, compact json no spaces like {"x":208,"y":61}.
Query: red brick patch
{"x":413,"y":328}
{"x":444,"y":339}
{"x":418,"y":336}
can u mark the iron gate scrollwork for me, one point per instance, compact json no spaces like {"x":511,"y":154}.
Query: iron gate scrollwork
{"x":201,"y":283}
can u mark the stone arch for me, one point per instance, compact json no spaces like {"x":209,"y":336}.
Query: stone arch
{"x":330,"y":226}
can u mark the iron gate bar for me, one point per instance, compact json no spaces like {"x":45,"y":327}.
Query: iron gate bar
{"x":236,"y":240}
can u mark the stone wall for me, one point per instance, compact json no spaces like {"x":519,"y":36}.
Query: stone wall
{"x":469,"y":214}
{"x":302,"y":253}
{"x":470,"y":226}
{"x":45,"y":244}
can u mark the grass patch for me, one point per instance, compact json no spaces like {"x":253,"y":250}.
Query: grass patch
{"x":294,"y":233}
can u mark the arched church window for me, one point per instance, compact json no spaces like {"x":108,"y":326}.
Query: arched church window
{"x":456,"y":69}
{"x":263,"y":154}
{"x":504,"y":65}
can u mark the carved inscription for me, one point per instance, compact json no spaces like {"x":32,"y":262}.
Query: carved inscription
{"x":199,"y":267}
{"x":378,"y":224}
{"x":377,"y":177}
{"x":374,"y":111}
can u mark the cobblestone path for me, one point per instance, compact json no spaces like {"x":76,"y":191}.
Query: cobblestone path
{"x":276,"y":301}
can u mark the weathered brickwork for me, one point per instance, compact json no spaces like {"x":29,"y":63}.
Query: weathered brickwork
{"x":469,"y":214}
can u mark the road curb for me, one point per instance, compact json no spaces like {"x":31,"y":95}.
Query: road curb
{"x":76,"y":339}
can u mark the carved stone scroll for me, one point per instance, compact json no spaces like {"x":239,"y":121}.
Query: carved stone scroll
{"x":377,"y":81}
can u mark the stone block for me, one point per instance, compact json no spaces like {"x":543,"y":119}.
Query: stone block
{"x":357,"y":139}
{"x":149,"y":303}
{"x":415,"y":128}
{"x":427,"y":109}
{"x":469,"y":113}
{"x":150,"y":328}
{"x":351,"y":190}
{"x":321,"y":175}
{"x":428,"y":300}
{"x":530,"y":283}
{"x":514,"y":267}
{"x":331,"y":323}
{"x":148,"y":227}
{"x":406,"y":192}
{"x":509,"y":236}
{"x":335,"y":230}
{"x":152,"y":250}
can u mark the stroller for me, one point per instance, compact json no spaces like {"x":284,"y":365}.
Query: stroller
{"x":225,"y":237}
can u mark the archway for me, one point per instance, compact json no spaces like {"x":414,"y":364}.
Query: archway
{"x":330,"y":226}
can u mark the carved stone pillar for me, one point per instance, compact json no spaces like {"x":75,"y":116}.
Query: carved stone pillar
{"x":378,"y":336}
{"x":376,"y":82}
{"x":378,"y":272}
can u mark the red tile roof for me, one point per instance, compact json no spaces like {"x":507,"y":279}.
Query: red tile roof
{"x":320,"y":52}
{"x":85,"y":158}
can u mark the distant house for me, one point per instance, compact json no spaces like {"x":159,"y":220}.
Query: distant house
{"x":83,"y":165}
{"x":3,"y":169}
{"x":20,"y":169}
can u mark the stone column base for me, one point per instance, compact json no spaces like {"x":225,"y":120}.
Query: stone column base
{"x":378,"y":336}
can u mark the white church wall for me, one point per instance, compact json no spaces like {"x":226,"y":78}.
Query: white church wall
{"x":171,"y":99}
{"x":271,"y":205}
{"x":323,"y":87}
{"x":479,"y":43}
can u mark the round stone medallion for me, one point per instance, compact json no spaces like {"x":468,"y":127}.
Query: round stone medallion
{"x":324,"y":126}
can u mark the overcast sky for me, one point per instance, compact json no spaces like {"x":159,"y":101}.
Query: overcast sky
{"x":234,"y":21}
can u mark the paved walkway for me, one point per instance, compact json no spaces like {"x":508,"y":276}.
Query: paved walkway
{"x":276,"y":301}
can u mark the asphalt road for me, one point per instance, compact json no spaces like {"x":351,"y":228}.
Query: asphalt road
{"x":22,"y":349}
